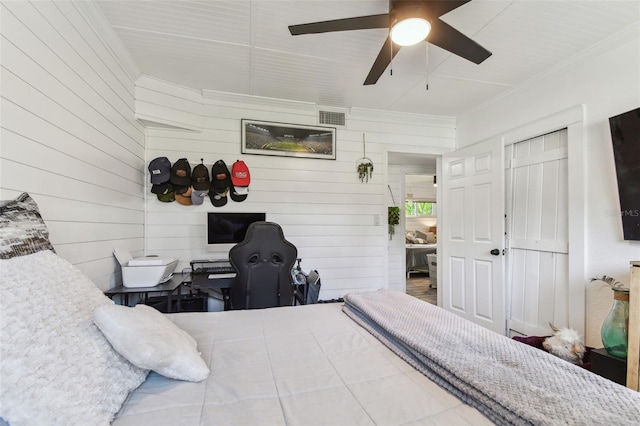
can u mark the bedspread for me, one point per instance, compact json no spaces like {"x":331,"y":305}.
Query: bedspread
{"x":302,"y":365}
{"x":511,"y":383}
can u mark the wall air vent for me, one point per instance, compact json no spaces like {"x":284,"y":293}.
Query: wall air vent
{"x":332,"y":118}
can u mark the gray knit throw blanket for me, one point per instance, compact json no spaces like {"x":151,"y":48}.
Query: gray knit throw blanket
{"x":508,"y":381}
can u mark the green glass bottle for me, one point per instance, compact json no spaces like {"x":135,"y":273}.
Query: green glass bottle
{"x":615,"y":327}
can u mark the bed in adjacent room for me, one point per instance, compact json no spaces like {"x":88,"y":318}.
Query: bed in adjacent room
{"x":418,"y":246}
{"x":417,"y":260}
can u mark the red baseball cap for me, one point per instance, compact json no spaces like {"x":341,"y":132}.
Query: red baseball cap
{"x":240,"y":175}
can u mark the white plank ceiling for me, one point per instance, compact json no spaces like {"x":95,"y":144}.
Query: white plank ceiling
{"x":244,"y":46}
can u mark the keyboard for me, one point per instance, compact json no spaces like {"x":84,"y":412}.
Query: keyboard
{"x":218,"y":269}
{"x":218,"y":276}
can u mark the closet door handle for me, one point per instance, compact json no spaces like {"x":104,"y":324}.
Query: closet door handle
{"x":495,"y":252}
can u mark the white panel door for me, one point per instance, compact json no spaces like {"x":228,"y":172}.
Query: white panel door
{"x":472,"y":234}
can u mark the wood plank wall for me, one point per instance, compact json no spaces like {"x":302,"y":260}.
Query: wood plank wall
{"x":321,"y":205}
{"x":69,"y":137}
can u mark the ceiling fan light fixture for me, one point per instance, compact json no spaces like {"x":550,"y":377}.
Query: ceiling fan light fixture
{"x":410,"y":31}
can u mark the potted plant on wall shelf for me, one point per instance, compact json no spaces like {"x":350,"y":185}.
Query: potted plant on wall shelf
{"x":394,"y":219}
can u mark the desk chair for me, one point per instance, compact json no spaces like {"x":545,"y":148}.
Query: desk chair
{"x":263,"y":261}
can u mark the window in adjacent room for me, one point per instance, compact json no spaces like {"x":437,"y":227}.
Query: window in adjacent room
{"x":419,"y":208}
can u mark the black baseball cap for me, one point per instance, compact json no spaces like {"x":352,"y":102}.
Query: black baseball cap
{"x":181,"y":173}
{"x":218,"y":199}
{"x":220,"y":177}
{"x":239,"y":193}
{"x":160,"y":188}
{"x":200,"y":177}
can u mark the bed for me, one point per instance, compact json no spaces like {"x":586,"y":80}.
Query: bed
{"x":418,"y":246}
{"x":417,"y":260}
{"x":70,"y":356}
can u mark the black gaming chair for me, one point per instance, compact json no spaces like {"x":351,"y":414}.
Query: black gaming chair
{"x":263,"y":261}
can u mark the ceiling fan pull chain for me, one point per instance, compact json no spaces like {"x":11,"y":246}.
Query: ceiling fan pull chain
{"x":390,"y":54}
{"x":427,"y":65}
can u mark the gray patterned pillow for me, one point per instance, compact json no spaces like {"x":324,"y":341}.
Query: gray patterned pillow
{"x":419,"y":234}
{"x":22,"y":230}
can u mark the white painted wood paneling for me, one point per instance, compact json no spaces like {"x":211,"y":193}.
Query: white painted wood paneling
{"x":68,"y":132}
{"x":394,"y":196}
{"x":321,"y":205}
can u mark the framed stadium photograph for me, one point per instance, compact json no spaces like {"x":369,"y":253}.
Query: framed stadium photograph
{"x":288,"y":140}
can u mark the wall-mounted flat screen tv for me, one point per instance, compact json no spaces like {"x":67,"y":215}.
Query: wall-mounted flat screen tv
{"x":230,"y":228}
{"x":625,"y":136}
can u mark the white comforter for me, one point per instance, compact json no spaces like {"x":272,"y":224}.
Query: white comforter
{"x":303,"y":365}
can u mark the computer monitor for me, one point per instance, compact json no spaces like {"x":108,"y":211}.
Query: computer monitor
{"x":230,"y":228}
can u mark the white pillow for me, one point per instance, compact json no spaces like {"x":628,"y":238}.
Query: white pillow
{"x":57,"y":368}
{"x":150,"y":340}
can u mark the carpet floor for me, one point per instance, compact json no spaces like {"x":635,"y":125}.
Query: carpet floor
{"x":418,"y":286}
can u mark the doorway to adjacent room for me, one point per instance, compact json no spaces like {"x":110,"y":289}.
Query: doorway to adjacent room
{"x":420,"y":223}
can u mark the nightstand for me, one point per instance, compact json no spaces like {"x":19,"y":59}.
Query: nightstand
{"x":609,"y":366}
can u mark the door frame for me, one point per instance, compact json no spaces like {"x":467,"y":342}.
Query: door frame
{"x":430,"y":152}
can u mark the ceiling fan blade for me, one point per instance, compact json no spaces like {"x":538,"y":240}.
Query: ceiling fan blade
{"x":438,"y":8}
{"x":382,"y":61}
{"x":445,"y":36}
{"x":347,"y":24}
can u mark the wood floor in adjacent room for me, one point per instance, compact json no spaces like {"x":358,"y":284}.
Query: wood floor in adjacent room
{"x":418,"y":286}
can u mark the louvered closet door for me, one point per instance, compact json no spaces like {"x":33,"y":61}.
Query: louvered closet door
{"x":537,"y":234}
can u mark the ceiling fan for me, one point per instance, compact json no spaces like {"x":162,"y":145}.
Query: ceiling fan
{"x":424,"y":14}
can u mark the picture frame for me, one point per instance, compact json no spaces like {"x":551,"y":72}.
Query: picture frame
{"x":288,"y":140}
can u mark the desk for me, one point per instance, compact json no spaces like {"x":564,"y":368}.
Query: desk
{"x":204,"y":283}
{"x":170,"y":287}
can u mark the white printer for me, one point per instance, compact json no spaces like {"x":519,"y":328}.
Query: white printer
{"x":147,"y":271}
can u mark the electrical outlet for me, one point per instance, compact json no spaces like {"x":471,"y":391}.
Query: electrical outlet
{"x":376,"y":220}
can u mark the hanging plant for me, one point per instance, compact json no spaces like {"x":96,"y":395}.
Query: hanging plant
{"x":364,"y":164}
{"x":394,"y":219}
{"x":364,"y":171}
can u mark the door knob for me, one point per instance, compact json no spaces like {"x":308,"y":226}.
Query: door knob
{"x":495,"y":252}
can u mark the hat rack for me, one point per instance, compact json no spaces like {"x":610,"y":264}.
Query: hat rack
{"x":364,"y":165}
{"x":190,"y":186}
